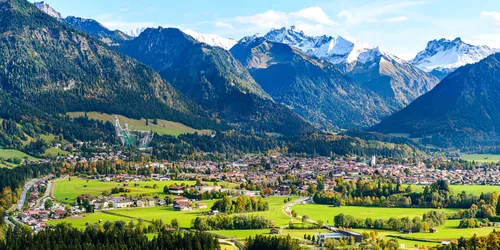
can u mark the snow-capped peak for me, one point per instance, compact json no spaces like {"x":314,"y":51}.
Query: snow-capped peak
{"x":447,"y":55}
{"x":297,"y":38}
{"x":336,"y":50}
{"x":212,"y":39}
{"x":43,"y":6}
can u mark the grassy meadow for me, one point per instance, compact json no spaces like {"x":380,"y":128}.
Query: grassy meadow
{"x":450,"y":231}
{"x":481,"y":157}
{"x":12,"y":153}
{"x":469,"y":189}
{"x":326,"y":213}
{"x":163,"y":127}
{"x":67,"y":190}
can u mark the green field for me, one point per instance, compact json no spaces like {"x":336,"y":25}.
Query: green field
{"x":450,"y":231}
{"x":12,"y":153}
{"x":167,"y":214}
{"x":447,"y":232}
{"x":275,"y":212}
{"x":163,"y":127}
{"x":53,"y":152}
{"x":481,"y":157}
{"x":469,"y":189}
{"x":67,"y":191}
{"x":326,"y":213}
{"x":81,"y":222}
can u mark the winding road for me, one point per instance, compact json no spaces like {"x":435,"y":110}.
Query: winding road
{"x":26,"y":188}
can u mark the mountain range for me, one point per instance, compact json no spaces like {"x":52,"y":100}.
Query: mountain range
{"x":395,"y":80}
{"x":284,"y":80}
{"x":213,"y":78}
{"x":313,"y":88}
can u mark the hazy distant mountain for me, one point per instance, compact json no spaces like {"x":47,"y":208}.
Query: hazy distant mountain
{"x":466,"y":105}
{"x":213,"y":78}
{"x":444,"y":56}
{"x":395,"y":80}
{"x":59,"y":69}
{"x":313,"y":88}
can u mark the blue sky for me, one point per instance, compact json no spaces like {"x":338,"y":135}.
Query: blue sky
{"x":399,"y":27}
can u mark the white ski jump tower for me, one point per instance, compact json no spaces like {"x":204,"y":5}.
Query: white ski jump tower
{"x":132,"y":138}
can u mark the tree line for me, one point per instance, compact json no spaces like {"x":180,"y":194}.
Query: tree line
{"x":417,"y":224}
{"x":242,"y":204}
{"x":63,"y":236}
{"x":226,"y":222}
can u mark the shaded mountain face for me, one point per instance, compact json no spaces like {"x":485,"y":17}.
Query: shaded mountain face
{"x":313,"y":88}
{"x":89,"y":26}
{"x":395,"y":80}
{"x":213,"y":78}
{"x":443,"y":56}
{"x":61,"y":69}
{"x":467,"y":102}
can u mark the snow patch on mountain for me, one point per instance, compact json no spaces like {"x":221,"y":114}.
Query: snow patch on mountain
{"x":43,"y":6}
{"x":135,"y":32}
{"x":212,"y":39}
{"x":448,"y":55}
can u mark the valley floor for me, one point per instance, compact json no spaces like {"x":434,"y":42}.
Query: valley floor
{"x":447,"y":232}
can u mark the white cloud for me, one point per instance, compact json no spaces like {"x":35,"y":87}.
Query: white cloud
{"x":311,"y":20}
{"x":315,"y":14}
{"x":224,"y":25}
{"x":346,"y":15}
{"x":397,"y":19}
{"x":266,"y":20}
{"x":377,"y":11}
{"x":493,"y":15}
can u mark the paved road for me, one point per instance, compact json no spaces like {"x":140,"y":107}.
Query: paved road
{"x":228,"y":242}
{"x":20,"y":203}
{"x":287,"y":208}
{"x":48,"y":192}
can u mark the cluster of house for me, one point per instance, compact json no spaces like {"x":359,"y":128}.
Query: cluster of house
{"x":77,"y":158}
{"x":36,"y":219}
{"x":183,"y":204}
{"x":37,"y":190}
{"x":114,"y":202}
{"x":307,"y":169}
